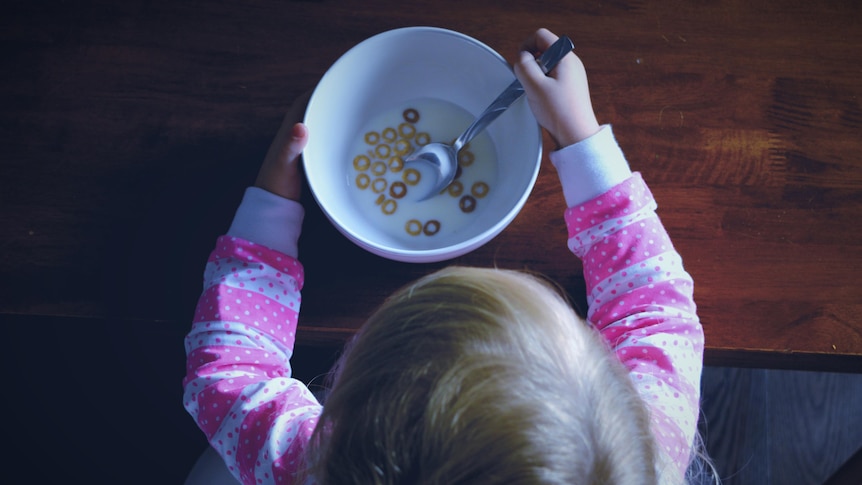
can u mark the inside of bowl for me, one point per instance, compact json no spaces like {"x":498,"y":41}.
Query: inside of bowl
{"x":389,"y":70}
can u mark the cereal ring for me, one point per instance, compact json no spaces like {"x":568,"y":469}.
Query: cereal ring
{"x":372,"y":138}
{"x":431,"y":227}
{"x":389,"y":134}
{"x":406,"y":130}
{"x":467,"y":204}
{"x":411,"y":115}
{"x":363,"y":181}
{"x":398,"y":190}
{"x":380,"y":199}
{"x":382,"y":150}
{"x":423,"y":138}
{"x":396,"y":164}
{"x":389,"y":207}
{"x":379,"y":168}
{"x":455,"y":188}
{"x":413,"y":227}
{"x":479,"y":190}
{"x":361,"y":163}
{"x":411,"y":176}
{"x":466,"y":158}
{"x":403,"y":147}
{"x":379,"y":185}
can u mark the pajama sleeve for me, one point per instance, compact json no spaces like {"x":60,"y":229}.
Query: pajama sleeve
{"x":639,"y":295}
{"x":238,"y":385}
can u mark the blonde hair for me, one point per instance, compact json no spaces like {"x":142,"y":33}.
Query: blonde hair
{"x":481,"y":376}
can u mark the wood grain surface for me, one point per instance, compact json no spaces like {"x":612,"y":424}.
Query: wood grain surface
{"x":130,"y":129}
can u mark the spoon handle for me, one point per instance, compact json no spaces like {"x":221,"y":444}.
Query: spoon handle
{"x":547,"y":61}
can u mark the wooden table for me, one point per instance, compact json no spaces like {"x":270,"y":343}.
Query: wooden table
{"x":130,"y":129}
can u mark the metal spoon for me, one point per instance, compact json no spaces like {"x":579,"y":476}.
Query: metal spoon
{"x":444,"y":157}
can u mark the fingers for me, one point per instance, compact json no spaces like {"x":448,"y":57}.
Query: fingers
{"x":539,"y":41}
{"x":288,"y":143}
{"x":297,"y":142}
{"x":280,"y":172}
{"x":531,"y":49}
{"x":281,"y":148}
{"x":528,"y":71}
{"x":560,"y":100}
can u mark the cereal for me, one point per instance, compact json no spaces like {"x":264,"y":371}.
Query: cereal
{"x":411,"y":176}
{"x":363,"y":181}
{"x":379,"y":185}
{"x":389,"y":207}
{"x":466,"y":158}
{"x":396,"y":164}
{"x":398,"y":190}
{"x":467,"y":204}
{"x":431,"y":227}
{"x":403,"y":147}
{"x":406,"y":130}
{"x":455,"y":188}
{"x":379,"y":169}
{"x":479,"y":190}
{"x":413,"y":227}
{"x":389,"y":134}
{"x":361,"y":163}
{"x":411,"y":115}
{"x":382,"y":151}
{"x":372,"y":138}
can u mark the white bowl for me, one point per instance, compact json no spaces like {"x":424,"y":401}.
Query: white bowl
{"x":392,"y":70}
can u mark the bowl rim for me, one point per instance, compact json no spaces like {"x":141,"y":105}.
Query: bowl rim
{"x":433,"y":254}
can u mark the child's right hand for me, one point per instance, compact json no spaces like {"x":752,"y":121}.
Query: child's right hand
{"x":560,"y":101}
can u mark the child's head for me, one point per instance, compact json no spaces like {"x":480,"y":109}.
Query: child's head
{"x":481,"y":376}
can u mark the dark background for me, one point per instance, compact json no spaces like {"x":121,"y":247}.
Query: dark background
{"x":129,"y":130}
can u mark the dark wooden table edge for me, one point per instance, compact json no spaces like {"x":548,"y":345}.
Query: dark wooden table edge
{"x":332,"y":339}
{"x":714,"y":357}
{"x":783,"y":360}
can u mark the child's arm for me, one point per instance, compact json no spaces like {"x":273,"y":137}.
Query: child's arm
{"x":641,"y":300}
{"x":238,"y":385}
{"x":640,"y":297}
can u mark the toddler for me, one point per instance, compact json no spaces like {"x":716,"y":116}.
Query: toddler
{"x":468,"y":375}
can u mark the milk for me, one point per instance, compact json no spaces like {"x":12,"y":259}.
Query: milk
{"x":442,"y":122}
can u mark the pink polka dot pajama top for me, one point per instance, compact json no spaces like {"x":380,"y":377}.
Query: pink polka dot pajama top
{"x":238,"y":386}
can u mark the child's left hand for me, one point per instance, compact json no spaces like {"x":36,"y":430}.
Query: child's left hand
{"x":279,"y":173}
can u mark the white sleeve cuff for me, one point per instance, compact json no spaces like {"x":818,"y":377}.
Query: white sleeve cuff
{"x":590,"y":167}
{"x":270,"y":220}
